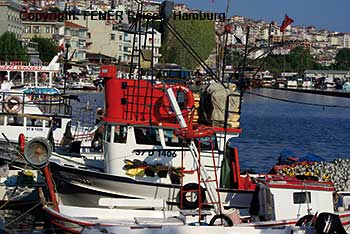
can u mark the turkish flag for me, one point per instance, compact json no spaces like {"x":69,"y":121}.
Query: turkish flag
{"x":287,"y":21}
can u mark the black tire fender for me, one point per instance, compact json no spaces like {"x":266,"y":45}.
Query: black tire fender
{"x":226,"y":220}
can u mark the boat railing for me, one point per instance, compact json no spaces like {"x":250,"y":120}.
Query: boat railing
{"x":55,"y":105}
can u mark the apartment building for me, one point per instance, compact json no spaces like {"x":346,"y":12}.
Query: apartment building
{"x":76,"y":36}
{"x":113,"y":39}
{"x":10,"y":20}
{"x":51,"y":29}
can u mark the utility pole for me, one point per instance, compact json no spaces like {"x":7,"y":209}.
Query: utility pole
{"x":65,"y":67}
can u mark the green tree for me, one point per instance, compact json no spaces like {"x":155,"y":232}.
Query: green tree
{"x":342,"y":59}
{"x":199,"y":34}
{"x":47,"y":48}
{"x":233,"y":57}
{"x":11,"y":49}
{"x":298,"y":60}
{"x":54,"y":10}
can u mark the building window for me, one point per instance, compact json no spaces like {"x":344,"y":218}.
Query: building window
{"x":115,"y":27}
{"x":112,"y":36}
{"x":120,"y":37}
{"x":120,"y":47}
{"x":36,"y":29}
{"x":47,"y":29}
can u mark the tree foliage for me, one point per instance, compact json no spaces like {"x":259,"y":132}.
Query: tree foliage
{"x":342,"y":59}
{"x":200,"y":34}
{"x":47,"y":48}
{"x":298,"y":60}
{"x":11,"y":49}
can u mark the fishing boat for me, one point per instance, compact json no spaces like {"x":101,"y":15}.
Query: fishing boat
{"x":308,"y":205}
{"x":292,"y":82}
{"x":307,"y":82}
{"x":268,"y":81}
{"x":143,"y":149}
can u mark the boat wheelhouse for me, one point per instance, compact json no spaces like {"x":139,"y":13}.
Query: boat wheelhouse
{"x":32,"y":112}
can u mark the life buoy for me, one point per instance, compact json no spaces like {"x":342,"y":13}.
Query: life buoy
{"x":191,"y":188}
{"x":165,"y":111}
{"x":13,"y":104}
{"x":196,"y":132}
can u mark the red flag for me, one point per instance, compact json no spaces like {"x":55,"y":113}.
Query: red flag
{"x":61,"y":45}
{"x":287,"y":21}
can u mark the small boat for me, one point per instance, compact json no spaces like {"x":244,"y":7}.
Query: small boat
{"x":268,"y":81}
{"x":81,"y":85}
{"x":307,"y":83}
{"x":346,"y":86}
{"x":281,"y":82}
{"x":329,"y":83}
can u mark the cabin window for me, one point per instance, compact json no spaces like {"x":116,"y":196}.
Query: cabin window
{"x":108,"y":133}
{"x":58,"y":123}
{"x":205,"y":143}
{"x":171,"y":139}
{"x":47,"y":123}
{"x":15,"y":121}
{"x":34,"y":122}
{"x":120,"y":134}
{"x":147,"y":136}
{"x":302,"y":197}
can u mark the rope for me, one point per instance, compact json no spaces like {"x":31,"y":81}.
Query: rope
{"x":296,"y":102}
{"x":22,"y":215}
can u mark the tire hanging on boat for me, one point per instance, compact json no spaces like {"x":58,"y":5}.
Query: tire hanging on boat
{"x":13,"y":104}
{"x":188,"y":189}
{"x":224,"y":220}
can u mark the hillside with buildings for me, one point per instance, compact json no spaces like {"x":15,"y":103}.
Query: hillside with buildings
{"x":101,"y":41}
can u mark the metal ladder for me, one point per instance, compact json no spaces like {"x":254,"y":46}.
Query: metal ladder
{"x":210,"y":184}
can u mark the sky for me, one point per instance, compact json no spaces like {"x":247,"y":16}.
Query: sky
{"x":332,"y":15}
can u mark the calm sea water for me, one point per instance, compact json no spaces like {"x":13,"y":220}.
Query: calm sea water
{"x":269,"y":126}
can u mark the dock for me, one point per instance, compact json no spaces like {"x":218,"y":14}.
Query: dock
{"x":333,"y":93}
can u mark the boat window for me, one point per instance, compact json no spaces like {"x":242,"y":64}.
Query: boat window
{"x":120,"y":134}
{"x":171,"y":139}
{"x":302,"y":197}
{"x":108,"y":133}
{"x":47,"y":124}
{"x":34,"y":122}
{"x":58,"y":123}
{"x":15,"y":121}
{"x":147,"y":136}
{"x":205,"y":143}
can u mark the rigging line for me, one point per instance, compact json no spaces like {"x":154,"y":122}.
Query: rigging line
{"x":22,"y":215}
{"x":296,"y":102}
